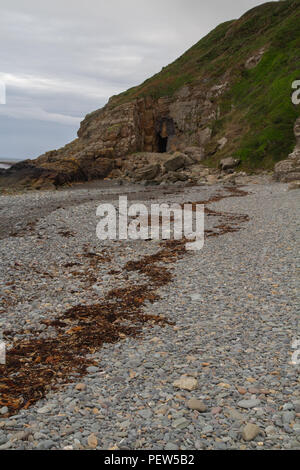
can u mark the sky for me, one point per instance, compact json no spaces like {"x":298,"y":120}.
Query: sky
{"x":62,"y":59}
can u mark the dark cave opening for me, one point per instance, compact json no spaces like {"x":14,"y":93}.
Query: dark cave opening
{"x":162,"y":143}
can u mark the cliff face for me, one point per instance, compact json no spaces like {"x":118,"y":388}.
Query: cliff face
{"x":228,"y":96}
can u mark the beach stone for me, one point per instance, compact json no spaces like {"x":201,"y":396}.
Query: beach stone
{"x":146,"y":414}
{"x":6,"y":446}
{"x":80,"y":387}
{"x":197,"y":405}
{"x":45,"y":445}
{"x":171,"y":446}
{"x":250,"y":432}
{"x":186,"y":383}
{"x":287,"y":417}
{"x":45,"y":409}
{"x":92,"y":369}
{"x":252,"y":403}
{"x":180,"y":423}
{"x":92,"y":441}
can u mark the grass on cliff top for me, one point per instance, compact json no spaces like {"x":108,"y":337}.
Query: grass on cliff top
{"x":260,"y":98}
{"x":223,"y":49}
{"x":258,"y":104}
{"x":263,"y":96}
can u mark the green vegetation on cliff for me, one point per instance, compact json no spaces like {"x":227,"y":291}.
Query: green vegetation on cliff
{"x":256,"y":112}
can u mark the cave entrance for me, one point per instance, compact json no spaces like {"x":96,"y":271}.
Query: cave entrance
{"x":162,"y":143}
{"x":164,"y":129}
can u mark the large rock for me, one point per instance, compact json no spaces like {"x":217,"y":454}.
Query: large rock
{"x":197,"y":154}
{"x":147,"y":173}
{"x":174,"y":176}
{"x":289,"y":170}
{"x":229,"y":163}
{"x":176,"y":162}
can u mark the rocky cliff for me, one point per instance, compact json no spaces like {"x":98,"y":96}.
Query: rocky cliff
{"x":289,"y":169}
{"x":229,"y":96}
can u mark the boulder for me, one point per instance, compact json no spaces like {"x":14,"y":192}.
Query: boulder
{"x":289,"y":170}
{"x":175,"y":176}
{"x":176,"y":162}
{"x":147,"y":173}
{"x":229,"y":163}
{"x":195,"y":153}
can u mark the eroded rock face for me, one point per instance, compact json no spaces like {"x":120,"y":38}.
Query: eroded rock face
{"x":107,"y":136}
{"x":289,"y":170}
{"x":113,"y":141}
{"x":254,"y":60}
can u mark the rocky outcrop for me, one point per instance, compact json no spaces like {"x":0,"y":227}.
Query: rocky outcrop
{"x":229,"y":163}
{"x":289,"y":170}
{"x":148,"y":173}
{"x":254,"y":60}
{"x":196,"y":106}
{"x":108,"y":136}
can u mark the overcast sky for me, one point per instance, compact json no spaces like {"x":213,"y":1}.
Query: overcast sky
{"x":63,"y":59}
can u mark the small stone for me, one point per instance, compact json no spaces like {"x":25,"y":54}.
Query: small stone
{"x":3,"y":410}
{"x":195,"y":297}
{"x":80,"y":387}
{"x":92,"y":441}
{"x":45,"y":409}
{"x":248,"y":403}
{"x":6,"y":446}
{"x":186,"y":383}
{"x":270,"y":430}
{"x":92,"y":369}
{"x":22,"y":436}
{"x":223,"y":385}
{"x":146,"y":414}
{"x":45,"y":445}
{"x":216,"y":410}
{"x":171,"y":446}
{"x":197,"y":405}
{"x":234,"y":414}
{"x":207,"y":429}
{"x":297,"y":406}
{"x":296,"y":428}
{"x":288,"y":416}
{"x":250,"y":431}
{"x":180,"y":423}
{"x":220,"y":446}
{"x":288,"y":407}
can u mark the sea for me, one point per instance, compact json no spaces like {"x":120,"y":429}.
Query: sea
{"x":6,"y":165}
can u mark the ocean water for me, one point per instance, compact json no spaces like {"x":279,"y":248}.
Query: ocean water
{"x":5,"y":166}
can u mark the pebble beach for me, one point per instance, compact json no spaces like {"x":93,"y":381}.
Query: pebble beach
{"x":210,"y":368}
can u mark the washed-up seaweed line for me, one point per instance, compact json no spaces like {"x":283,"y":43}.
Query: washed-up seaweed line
{"x":35,"y":366}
